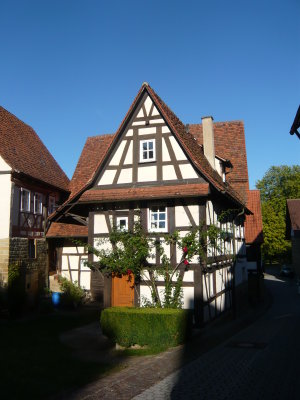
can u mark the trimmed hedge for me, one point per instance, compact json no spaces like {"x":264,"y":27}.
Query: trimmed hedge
{"x":151,"y":327}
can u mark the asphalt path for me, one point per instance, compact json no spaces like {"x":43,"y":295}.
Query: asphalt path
{"x":260,"y":362}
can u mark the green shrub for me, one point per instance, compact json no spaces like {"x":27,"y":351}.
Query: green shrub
{"x":72,"y":293}
{"x":153,"y":327}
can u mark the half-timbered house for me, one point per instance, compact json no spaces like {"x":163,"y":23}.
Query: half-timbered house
{"x":32,"y":184}
{"x":175,"y":177}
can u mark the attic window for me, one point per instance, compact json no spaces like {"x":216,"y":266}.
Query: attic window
{"x":147,"y":150}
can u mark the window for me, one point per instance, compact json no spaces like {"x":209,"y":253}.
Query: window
{"x":25,"y":200}
{"x":122,"y":223}
{"x":38,"y":203}
{"x":31,"y":248}
{"x":158,"y":219}
{"x":147,"y":150}
{"x":51,"y":205}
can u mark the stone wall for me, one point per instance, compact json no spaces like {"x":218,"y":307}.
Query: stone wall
{"x":34,"y":269}
{"x":4,"y":260}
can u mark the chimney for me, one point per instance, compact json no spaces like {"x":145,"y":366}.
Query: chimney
{"x":209,"y":140}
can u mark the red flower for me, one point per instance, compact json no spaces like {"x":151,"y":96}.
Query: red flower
{"x":186,"y":262}
{"x":185,"y":249}
{"x":129,"y":272}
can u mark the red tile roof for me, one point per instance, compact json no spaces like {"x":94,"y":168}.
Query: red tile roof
{"x":24,"y":151}
{"x":93,"y":152}
{"x":147,"y":193}
{"x":293,"y":206}
{"x":66,"y":230}
{"x":253,"y":224}
{"x":230,"y":145}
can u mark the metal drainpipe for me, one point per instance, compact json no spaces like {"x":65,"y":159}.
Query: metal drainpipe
{"x":234,"y":263}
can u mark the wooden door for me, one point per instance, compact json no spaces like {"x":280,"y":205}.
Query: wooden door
{"x":122,"y":291}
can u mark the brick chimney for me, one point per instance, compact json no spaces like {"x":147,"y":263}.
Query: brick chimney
{"x":209,"y":140}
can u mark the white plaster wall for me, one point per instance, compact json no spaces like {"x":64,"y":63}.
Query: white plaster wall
{"x":187,"y":171}
{"x":155,"y":111}
{"x":125,"y":176}
{"x":220,"y":280}
{"x":188,"y":297}
{"x":100,"y":225}
{"x":72,"y":268}
{"x":147,"y":174}
{"x":165,"y":151}
{"x":165,"y":129}
{"x":179,"y":154}
{"x":129,"y":133}
{"x":168,"y":172}
{"x":157,"y":121}
{"x":128,"y":158}
{"x":209,"y":213}
{"x":147,"y":131}
{"x":107,"y":177}
{"x":148,"y":103}
{"x":188,"y":276}
{"x":5,"y":198}
{"x":181,"y":218}
{"x":140,"y":114}
{"x":118,"y":154}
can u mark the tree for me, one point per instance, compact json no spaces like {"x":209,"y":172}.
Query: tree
{"x":278,"y":184}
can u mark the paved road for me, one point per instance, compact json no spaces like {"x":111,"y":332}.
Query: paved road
{"x":260,"y":362}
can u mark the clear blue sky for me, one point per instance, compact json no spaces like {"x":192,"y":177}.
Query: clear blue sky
{"x":71,"y":69}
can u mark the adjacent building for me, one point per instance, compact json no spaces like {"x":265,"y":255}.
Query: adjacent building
{"x":32,"y":185}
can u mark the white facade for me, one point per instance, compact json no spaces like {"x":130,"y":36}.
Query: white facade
{"x":5,"y":198}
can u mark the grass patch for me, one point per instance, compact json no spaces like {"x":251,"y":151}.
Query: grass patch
{"x":35,"y":364}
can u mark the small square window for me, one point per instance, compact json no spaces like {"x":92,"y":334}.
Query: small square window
{"x":147,"y":150}
{"x":122,"y":223}
{"x":38,"y":203}
{"x":25,"y":200}
{"x":158,"y":219}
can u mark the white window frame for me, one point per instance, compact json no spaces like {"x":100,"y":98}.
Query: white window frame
{"x":142,"y":151}
{"x":38,"y":197}
{"x":159,"y":210}
{"x":51,"y":204}
{"x":27,"y":209}
{"x":118,"y":220}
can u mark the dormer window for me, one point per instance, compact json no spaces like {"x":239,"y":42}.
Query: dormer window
{"x":147,"y":150}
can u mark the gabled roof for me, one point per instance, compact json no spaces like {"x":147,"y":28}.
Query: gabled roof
{"x":253,"y":223}
{"x":293,"y":207}
{"x":24,"y":151}
{"x":91,"y":161}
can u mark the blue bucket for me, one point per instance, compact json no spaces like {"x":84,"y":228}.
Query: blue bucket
{"x":55,"y":298}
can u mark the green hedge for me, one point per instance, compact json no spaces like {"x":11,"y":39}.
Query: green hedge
{"x":151,"y":327}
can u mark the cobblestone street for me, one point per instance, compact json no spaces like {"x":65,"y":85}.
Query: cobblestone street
{"x":261,"y":362}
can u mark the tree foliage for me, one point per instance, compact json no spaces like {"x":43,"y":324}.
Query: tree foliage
{"x":278,"y":184}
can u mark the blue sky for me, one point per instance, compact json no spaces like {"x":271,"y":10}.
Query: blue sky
{"x":71,"y":69}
